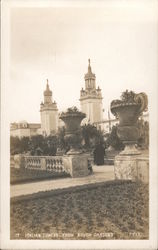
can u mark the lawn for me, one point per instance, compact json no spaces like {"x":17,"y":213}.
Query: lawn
{"x":118,"y":210}
{"x":30,"y":175}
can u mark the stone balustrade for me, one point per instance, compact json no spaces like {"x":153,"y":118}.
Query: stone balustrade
{"x":33,"y":162}
{"x":54,"y":163}
{"x":49,"y":163}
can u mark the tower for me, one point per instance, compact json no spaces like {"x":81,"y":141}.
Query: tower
{"x":49,"y":113}
{"x":91,"y":98}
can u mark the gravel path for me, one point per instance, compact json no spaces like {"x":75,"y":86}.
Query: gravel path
{"x":101,"y":173}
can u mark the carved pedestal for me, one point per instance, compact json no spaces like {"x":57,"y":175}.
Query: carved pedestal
{"x":125,"y":167}
{"x":131,"y":167}
{"x":76,"y":165}
{"x":129,"y":164}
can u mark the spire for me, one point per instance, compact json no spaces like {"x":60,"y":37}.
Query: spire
{"x":89,"y":66}
{"x":47,"y":86}
{"x":89,"y":75}
{"x":47,"y":92}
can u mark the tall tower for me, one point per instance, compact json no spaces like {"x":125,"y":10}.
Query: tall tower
{"x":91,"y":98}
{"x":49,"y":113}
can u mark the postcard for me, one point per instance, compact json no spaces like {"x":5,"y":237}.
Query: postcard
{"x":79,"y":124}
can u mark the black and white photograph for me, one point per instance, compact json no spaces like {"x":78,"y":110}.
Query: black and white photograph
{"x":79,"y":124}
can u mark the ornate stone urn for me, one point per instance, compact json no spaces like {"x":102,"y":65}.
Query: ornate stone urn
{"x":128,"y":109}
{"x":72,"y":119}
{"x":75,"y":162}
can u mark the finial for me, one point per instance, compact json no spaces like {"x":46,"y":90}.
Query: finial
{"x":47,"y":84}
{"x":89,"y":67}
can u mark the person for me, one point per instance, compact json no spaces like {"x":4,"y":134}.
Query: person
{"x":99,"y":153}
{"x":94,"y":155}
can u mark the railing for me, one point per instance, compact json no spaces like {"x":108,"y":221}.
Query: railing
{"x":54,"y":164}
{"x":49,"y":163}
{"x":33,"y":162}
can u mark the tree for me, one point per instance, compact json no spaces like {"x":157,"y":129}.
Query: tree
{"x":91,"y":135}
{"x":51,"y":144}
{"x":43,"y":145}
{"x":36,"y":145}
{"x":143,"y":140}
{"x":19,"y":145}
{"x":60,"y":136}
{"x":14,"y":145}
{"x":113,"y":139}
{"x":24,"y":144}
{"x":36,"y":142}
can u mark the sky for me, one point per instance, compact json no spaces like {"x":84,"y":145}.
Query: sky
{"x":55,"y":43}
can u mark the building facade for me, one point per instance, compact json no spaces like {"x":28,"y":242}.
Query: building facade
{"x":23,"y":128}
{"x":49,"y":113}
{"x":91,"y":99}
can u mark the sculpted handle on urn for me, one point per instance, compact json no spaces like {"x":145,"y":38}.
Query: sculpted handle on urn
{"x":142,"y":99}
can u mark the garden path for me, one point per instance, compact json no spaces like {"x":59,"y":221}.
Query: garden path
{"x":100,"y":174}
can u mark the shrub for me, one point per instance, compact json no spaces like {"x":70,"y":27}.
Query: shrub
{"x":113,"y":139}
{"x":35,"y":145}
{"x":143,"y":140}
{"x":91,"y":135}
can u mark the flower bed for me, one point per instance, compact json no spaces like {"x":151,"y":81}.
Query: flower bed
{"x":111,"y":211}
{"x":29,"y":175}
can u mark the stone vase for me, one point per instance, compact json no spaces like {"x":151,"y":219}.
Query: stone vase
{"x":72,"y":119}
{"x":75,"y":162}
{"x":128,"y":110}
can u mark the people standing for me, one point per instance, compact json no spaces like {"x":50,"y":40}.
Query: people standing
{"x":98,"y":154}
